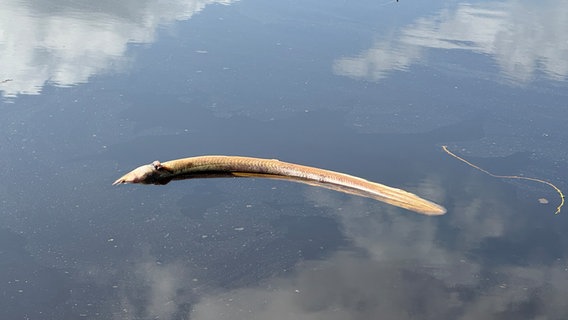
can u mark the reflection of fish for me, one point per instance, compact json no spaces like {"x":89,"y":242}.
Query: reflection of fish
{"x":231,"y":166}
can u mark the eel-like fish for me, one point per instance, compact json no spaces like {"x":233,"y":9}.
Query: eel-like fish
{"x":234,"y":166}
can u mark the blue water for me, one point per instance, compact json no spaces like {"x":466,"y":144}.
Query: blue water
{"x":90,"y":90}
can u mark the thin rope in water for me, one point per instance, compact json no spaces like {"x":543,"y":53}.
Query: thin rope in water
{"x":445,"y":148}
{"x":387,"y":3}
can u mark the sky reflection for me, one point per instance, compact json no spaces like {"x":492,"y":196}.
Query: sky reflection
{"x":256,"y":78}
{"x":66,"y":43}
{"x":407,"y":270}
{"x":521,"y":36}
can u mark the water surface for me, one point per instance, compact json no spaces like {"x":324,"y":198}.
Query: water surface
{"x":374,"y":89}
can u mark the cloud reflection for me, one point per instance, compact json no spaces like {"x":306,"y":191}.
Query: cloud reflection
{"x":523,"y":38}
{"x":66,"y":43}
{"x":408,"y":268}
{"x":160,"y":286}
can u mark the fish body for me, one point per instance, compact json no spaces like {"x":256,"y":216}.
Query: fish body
{"x":248,"y":167}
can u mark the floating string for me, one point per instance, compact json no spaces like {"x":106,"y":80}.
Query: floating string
{"x":445,"y":148}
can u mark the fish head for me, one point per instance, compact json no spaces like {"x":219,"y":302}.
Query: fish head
{"x":153,"y":173}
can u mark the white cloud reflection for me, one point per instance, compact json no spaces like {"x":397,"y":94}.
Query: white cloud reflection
{"x":405,"y":271}
{"x":164,"y":282}
{"x":66,"y":43}
{"x":523,"y":37}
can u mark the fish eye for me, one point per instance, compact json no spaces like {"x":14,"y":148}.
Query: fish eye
{"x":157,"y":165}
